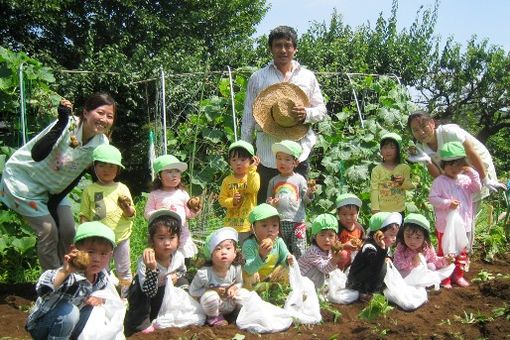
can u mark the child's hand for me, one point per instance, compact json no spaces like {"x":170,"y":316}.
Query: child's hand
{"x":76,"y":260}
{"x":65,"y":108}
{"x":450,"y":258}
{"x":379,"y":239}
{"x":256,"y":161}
{"x":454,"y":204}
{"x":93,"y":301}
{"x":355,"y":243}
{"x":195,"y":204}
{"x":398,"y":179}
{"x":149,"y":258}
{"x":290,"y":260}
{"x":124,"y":202}
{"x":237,"y":199}
{"x":416,"y":260}
{"x":273,"y":201}
{"x":265,"y":247}
{"x":232,"y":291}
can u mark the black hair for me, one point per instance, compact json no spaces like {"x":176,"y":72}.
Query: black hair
{"x":386,"y":141}
{"x":340,"y":226}
{"x":93,"y":172}
{"x":423,"y":116}
{"x":165,"y":221}
{"x":96,"y":100}
{"x":240,"y":152}
{"x":443,"y":164}
{"x":238,"y":260}
{"x":282,"y":32}
{"x":413,"y":228}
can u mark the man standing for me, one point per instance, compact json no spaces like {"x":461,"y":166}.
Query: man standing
{"x":283,"y":47}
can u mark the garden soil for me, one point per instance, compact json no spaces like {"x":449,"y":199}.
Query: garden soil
{"x":458,"y":313}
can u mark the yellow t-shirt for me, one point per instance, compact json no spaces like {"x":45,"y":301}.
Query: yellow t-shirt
{"x":386,"y":194}
{"x":99,"y":203}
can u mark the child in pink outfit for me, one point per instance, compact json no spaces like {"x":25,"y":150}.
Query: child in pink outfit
{"x":454,"y":189}
{"x":169,"y":193}
{"x":414,"y":239}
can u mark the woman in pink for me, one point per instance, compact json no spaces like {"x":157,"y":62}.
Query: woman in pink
{"x":454,"y":189}
{"x":414,"y":239}
{"x":168,"y":192}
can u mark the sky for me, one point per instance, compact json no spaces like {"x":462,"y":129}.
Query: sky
{"x":458,"y":18}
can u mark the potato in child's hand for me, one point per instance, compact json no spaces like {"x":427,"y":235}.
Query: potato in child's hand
{"x":267,"y":243}
{"x":379,"y":239}
{"x":337,"y":246}
{"x":355,"y":243}
{"x":123,"y":201}
{"x":195,"y":203}
{"x":80,"y":261}
{"x":312,"y":184}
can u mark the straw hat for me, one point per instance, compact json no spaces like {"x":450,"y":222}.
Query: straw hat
{"x":272,"y":110}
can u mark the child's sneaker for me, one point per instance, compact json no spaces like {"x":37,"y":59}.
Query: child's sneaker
{"x":217,"y":321}
{"x":461,"y":282}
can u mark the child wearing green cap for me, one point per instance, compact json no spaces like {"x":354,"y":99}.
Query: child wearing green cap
{"x":351,"y":233}
{"x":390,"y":179}
{"x":64,"y":304}
{"x":265,"y":252}
{"x":110,"y":202}
{"x":160,"y":262}
{"x":368,"y":268}
{"x":238,"y":192}
{"x":218,"y":283}
{"x":320,"y":258}
{"x":168,"y":192}
{"x":413,"y":239}
{"x":288,"y":192}
{"x":454,"y":189}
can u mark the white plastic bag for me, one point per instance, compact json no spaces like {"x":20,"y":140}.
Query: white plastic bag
{"x":259,"y":316}
{"x":400,"y":293}
{"x":454,"y":238}
{"x":106,"y":321}
{"x":422,"y":276}
{"x":302,"y":302}
{"x":178,"y":309}
{"x":337,"y":293}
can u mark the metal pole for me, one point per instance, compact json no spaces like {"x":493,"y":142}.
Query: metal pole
{"x":163,"y":111}
{"x":23,"y":107}
{"x":233,"y":103}
{"x":356,"y":99}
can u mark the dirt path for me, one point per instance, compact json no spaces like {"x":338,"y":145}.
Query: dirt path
{"x":456,"y":313}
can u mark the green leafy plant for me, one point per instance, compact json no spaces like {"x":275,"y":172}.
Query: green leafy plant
{"x":503,"y":311}
{"x":472,"y":318}
{"x":483,"y":276}
{"x":326,"y":306}
{"x":377,"y":307}
{"x":490,"y":232}
{"x":273,"y":292}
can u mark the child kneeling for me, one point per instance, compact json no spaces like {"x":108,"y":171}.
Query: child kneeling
{"x":64,"y":303}
{"x":218,"y":283}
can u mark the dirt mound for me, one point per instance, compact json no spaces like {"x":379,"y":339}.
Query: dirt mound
{"x":456,"y":313}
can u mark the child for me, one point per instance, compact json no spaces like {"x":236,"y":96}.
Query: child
{"x":454,"y":189}
{"x":264,"y":251}
{"x":110,"y":202}
{"x":64,"y":303}
{"x":390,"y":179}
{"x":368,"y":269}
{"x":320,"y":259}
{"x":169,"y":193}
{"x":238,"y":193}
{"x":160,"y":262}
{"x":414,"y":239}
{"x":219,"y":281}
{"x":289,"y":192}
{"x":351,"y":233}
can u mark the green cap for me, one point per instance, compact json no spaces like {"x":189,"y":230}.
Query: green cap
{"x":164,"y":212}
{"x":382,"y":219}
{"x":346,"y":199}
{"x":451,"y":151}
{"x":242,"y":144}
{"x":418,"y":219}
{"x":168,"y":162}
{"x":107,"y":153}
{"x":218,"y":236}
{"x":289,"y":147}
{"x":324,"y":222}
{"x":261,"y":212}
{"x":393,"y":136}
{"x":94,"y":229}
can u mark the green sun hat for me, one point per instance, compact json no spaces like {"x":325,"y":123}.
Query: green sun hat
{"x":242,"y":144}
{"x":451,"y":151}
{"x":382,"y":219}
{"x":347,"y":199}
{"x":94,"y":229}
{"x":164,"y":212}
{"x":168,"y":162}
{"x":394,"y":136}
{"x":289,"y":147}
{"x":418,"y":219}
{"x":216,"y":237}
{"x":107,"y":153}
{"x":324,"y":222}
{"x":261,"y":212}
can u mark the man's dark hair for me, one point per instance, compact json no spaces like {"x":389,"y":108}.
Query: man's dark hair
{"x":283,"y":32}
